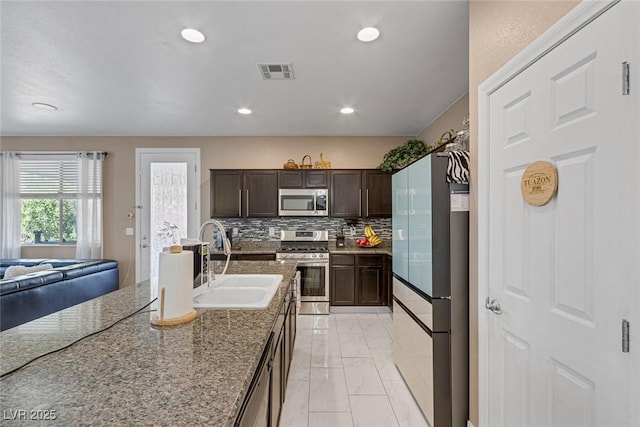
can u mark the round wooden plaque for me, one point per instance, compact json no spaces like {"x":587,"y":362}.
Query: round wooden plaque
{"x":539,"y":183}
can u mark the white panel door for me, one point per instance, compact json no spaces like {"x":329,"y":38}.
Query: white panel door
{"x":562,"y":273}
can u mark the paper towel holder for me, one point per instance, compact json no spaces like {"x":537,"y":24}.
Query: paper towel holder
{"x":161,"y":321}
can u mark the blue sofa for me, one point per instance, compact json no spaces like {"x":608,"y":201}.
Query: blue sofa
{"x":70,"y":282}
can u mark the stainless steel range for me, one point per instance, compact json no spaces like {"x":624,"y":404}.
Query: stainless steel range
{"x":311,"y":249}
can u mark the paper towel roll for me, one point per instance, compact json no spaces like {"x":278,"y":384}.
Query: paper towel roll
{"x":175,"y":275}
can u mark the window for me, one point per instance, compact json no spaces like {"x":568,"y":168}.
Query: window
{"x":48,"y":196}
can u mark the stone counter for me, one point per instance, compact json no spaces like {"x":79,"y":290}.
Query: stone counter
{"x":251,"y":247}
{"x":352,"y":248}
{"x":270,"y":247}
{"x":134,"y":373}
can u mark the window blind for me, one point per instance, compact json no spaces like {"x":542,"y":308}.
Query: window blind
{"x":54,"y":175}
{"x":45,"y":176}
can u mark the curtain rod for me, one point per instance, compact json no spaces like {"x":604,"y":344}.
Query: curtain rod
{"x":52,"y":153}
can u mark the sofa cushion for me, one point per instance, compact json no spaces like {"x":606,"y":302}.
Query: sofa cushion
{"x":4,"y":264}
{"x":20,"y":270}
{"x":23,"y":261}
{"x":28,"y":281}
{"x":65,"y":262}
{"x":85,"y":268}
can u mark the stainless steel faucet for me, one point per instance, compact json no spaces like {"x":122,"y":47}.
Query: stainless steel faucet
{"x":226,"y":244}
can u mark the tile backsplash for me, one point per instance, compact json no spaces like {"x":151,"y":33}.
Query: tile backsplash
{"x":257,"y":229}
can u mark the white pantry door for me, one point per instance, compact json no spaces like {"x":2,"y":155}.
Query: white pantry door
{"x":167,"y":192}
{"x":563,"y":273}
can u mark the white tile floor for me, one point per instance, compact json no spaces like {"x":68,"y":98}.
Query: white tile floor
{"x":343,"y":375}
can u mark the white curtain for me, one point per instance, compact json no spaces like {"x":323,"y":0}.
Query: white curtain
{"x":9,"y":205}
{"x":89,"y":243}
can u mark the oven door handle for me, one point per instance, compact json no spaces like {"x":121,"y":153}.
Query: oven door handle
{"x":313,"y":263}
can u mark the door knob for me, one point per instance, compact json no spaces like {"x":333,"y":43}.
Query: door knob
{"x":144,"y":246}
{"x":493,"y":305}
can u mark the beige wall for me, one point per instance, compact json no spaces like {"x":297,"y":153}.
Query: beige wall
{"x":498,"y":30}
{"x":216,"y":153}
{"x":449,"y":119}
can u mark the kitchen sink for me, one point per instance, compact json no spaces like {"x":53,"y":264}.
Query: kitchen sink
{"x":238,"y":291}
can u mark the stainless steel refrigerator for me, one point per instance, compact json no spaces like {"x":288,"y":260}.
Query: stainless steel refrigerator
{"x":431,"y":288}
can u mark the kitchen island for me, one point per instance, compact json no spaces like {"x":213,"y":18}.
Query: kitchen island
{"x":134,"y":373}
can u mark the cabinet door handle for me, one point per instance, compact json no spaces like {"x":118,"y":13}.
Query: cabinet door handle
{"x":247,"y":202}
{"x":239,"y":203}
{"x":360,"y":202}
{"x":411,"y":193}
{"x":367,"y":203}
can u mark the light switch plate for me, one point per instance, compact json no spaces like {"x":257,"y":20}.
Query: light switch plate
{"x":128,"y":231}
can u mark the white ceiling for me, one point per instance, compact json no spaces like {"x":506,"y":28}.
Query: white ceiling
{"x":121,"y":68}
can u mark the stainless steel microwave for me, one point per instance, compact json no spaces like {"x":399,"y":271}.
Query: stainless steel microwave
{"x":303,"y":202}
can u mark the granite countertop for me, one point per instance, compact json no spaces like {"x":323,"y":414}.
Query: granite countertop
{"x":351,"y":248}
{"x":134,"y":373}
{"x":267,"y":247}
{"x":252,"y":247}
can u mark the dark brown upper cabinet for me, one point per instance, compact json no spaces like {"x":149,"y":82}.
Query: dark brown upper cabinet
{"x":377,"y":194}
{"x":345,"y":195}
{"x":261,"y":194}
{"x":302,"y":178}
{"x":226,"y":193}
{"x":360,"y":193}
{"x":244,"y":193}
{"x":353,"y":193}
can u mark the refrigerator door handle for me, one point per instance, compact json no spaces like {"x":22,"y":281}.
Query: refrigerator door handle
{"x":493,"y":305}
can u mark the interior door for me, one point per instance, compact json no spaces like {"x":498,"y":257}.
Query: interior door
{"x":167,"y":201}
{"x":562,"y":273}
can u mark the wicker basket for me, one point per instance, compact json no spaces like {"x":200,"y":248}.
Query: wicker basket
{"x":291,"y":164}
{"x":446,"y":138}
{"x":323,"y":164}
{"x":303,"y":165}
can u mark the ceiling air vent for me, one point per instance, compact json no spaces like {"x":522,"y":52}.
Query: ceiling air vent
{"x":281,"y":71}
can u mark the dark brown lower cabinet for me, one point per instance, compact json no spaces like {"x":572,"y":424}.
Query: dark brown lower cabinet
{"x":255,"y":409}
{"x":290,"y":341}
{"x":276,"y":394}
{"x":369,"y":286}
{"x":359,"y":280}
{"x":263,"y":404}
{"x":343,"y":289}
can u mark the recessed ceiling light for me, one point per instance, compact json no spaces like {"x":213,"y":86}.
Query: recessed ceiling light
{"x":192,"y":35}
{"x":368,"y":34}
{"x":44,"y":107}
{"x":244,"y":111}
{"x":347,"y":110}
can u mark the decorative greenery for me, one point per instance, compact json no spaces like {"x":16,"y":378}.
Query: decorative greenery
{"x":169,"y":233}
{"x":403,"y":155}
